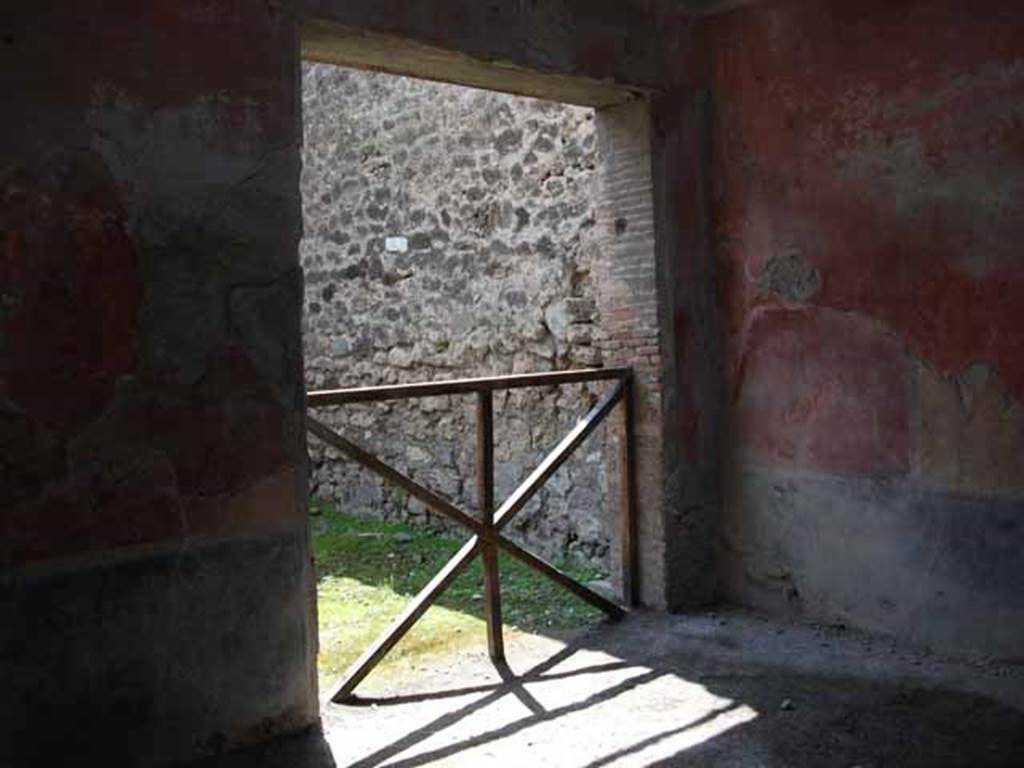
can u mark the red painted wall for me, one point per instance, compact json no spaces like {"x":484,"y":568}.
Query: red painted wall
{"x":868,"y":220}
{"x":155,"y":572}
{"x":867,"y":205}
{"x":128,"y":142}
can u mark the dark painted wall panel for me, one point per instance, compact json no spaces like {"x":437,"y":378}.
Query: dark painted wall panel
{"x":158,"y":657}
{"x":939,"y":569}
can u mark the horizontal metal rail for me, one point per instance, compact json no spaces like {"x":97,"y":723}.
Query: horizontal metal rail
{"x":488,"y":537}
{"x":323,"y":397}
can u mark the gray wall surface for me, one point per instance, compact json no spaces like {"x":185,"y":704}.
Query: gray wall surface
{"x":449,"y":232}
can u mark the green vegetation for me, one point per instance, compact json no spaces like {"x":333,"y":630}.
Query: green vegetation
{"x":368,"y":570}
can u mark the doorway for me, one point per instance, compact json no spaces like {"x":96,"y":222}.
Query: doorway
{"x":517,"y":197}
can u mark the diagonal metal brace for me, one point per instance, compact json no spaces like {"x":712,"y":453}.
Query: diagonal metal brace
{"x":361,"y":456}
{"x":358,"y":671}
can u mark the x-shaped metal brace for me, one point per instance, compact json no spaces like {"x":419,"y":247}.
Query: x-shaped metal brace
{"x":487,"y":538}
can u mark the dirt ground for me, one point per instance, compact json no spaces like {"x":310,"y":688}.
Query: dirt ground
{"x":726,"y":689}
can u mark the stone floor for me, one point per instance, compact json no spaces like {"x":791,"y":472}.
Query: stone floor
{"x":725,"y":689}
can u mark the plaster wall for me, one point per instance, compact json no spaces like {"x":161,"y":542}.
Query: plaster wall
{"x":868,"y":205}
{"x":155,"y":576}
{"x":155,"y":570}
{"x":865,"y":208}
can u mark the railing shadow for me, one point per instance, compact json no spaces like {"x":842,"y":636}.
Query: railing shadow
{"x":835,"y":718}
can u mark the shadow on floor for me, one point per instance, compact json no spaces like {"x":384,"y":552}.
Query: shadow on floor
{"x":308,"y":749}
{"x":667,"y":691}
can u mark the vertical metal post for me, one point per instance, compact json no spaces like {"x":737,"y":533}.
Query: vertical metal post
{"x":627,"y":503}
{"x":485,"y":500}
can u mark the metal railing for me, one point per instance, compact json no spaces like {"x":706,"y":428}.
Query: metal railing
{"x":487,"y":538}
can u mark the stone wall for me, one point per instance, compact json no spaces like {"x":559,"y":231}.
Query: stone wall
{"x":450,"y":232}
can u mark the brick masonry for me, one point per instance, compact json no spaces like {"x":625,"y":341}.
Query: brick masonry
{"x":630,"y":312}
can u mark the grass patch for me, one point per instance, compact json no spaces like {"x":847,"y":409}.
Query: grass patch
{"x":367,"y":571}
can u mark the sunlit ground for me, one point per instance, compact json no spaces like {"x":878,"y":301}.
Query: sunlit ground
{"x":565,"y":707}
{"x":368,"y":571}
